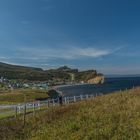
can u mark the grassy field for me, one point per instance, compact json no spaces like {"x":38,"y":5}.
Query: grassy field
{"x":111,"y":117}
{"x":20,"y":95}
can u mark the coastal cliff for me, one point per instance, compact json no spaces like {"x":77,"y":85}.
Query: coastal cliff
{"x":61,"y":75}
{"x":97,"y":80}
{"x":90,"y":77}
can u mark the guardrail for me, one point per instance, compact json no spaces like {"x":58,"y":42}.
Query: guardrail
{"x":32,"y":107}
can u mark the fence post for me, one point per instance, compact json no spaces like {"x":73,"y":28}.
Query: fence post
{"x":19,"y":109}
{"x":74,"y":98}
{"x":86,"y":96}
{"x":81,"y":97}
{"x":65,"y":100}
{"x":24,"y":115}
{"x":53,"y":102}
{"x":33,"y":108}
{"x":39,"y":105}
{"x":68,"y":100}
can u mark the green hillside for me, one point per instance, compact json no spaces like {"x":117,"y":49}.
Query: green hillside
{"x":62,"y":74}
{"x":18,"y":96}
{"x":21,"y":72}
{"x":111,"y":117}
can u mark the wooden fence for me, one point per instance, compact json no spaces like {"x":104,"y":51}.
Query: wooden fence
{"x":32,"y":107}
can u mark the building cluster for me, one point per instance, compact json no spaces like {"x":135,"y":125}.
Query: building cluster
{"x":36,"y":85}
{"x":15,"y":84}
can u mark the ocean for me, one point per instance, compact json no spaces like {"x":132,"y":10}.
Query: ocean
{"x":110,"y":85}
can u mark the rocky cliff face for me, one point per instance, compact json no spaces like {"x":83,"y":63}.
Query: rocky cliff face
{"x":97,"y":80}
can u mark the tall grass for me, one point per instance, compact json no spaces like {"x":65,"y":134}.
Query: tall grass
{"x":18,"y":95}
{"x":111,"y":117}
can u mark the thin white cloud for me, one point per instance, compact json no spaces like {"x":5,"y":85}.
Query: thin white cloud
{"x":46,"y":57}
{"x":64,"y":53}
{"x":92,"y":52}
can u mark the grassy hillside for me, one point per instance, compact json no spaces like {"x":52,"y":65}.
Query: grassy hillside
{"x":111,"y":117}
{"x":62,"y":74}
{"x":21,"y":72}
{"x":18,"y":95}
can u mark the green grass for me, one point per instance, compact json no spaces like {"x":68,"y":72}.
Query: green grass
{"x":18,"y":96}
{"x":11,"y":113}
{"x":111,"y":117}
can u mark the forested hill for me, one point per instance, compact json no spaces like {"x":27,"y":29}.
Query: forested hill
{"x":64,"y":73}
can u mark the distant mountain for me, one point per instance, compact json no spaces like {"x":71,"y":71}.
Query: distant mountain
{"x":62,"y":74}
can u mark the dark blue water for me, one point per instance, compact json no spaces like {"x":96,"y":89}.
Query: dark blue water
{"x":110,"y":85}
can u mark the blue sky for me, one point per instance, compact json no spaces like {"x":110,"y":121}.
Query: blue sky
{"x":86,"y":34}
